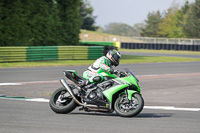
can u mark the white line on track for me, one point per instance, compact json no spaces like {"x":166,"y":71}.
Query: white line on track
{"x":146,"y":107}
{"x":38,"y":100}
{"x":5,"y":84}
{"x":26,"y":99}
{"x":33,"y":82}
{"x":171,"y":108}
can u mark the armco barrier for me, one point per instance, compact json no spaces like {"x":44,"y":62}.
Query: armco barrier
{"x":157,"y":46}
{"x":73,"y":52}
{"x":94,"y":52}
{"x":12,"y":54}
{"x":42,"y":53}
{"x":39,"y":53}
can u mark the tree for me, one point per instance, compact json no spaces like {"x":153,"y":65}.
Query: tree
{"x":13,"y":28}
{"x":152,"y":24}
{"x":87,"y":18}
{"x":192,"y":25}
{"x":119,"y":29}
{"x":124,"y":29}
{"x":173,"y":21}
{"x":70,"y":23}
{"x":138,"y":29}
{"x":39,"y":22}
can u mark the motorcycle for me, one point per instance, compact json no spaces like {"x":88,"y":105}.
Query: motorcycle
{"x":116,"y":93}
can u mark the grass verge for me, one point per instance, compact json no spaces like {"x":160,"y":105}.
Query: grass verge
{"x":46,"y":63}
{"x":126,"y":59}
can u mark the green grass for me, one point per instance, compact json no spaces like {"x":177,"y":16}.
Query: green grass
{"x":161,"y":51}
{"x":126,"y":59}
{"x":46,"y":63}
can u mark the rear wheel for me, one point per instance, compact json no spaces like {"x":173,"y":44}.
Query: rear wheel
{"x":127,"y":108}
{"x":61,"y":102}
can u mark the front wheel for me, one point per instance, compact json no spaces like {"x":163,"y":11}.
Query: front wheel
{"x":62,"y":103}
{"x":126,"y":108}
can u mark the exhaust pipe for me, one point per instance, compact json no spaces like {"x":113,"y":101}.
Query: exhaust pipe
{"x":64,"y":83}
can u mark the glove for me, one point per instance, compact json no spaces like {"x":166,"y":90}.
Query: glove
{"x":122,"y":74}
{"x":111,"y":70}
{"x":117,"y":72}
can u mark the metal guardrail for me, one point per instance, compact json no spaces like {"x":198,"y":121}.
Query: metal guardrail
{"x":40,"y":53}
{"x":8,"y":54}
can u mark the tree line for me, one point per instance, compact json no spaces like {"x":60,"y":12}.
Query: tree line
{"x":58,"y":22}
{"x":183,"y":22}
{"x":175,"y":22}
{"x":43,"y":22}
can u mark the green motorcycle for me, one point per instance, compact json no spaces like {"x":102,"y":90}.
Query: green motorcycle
{"x":120,"y":94}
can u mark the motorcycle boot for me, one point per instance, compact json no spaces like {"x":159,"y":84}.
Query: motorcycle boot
{"x":82,"y":87}
{"x":84,"y":83}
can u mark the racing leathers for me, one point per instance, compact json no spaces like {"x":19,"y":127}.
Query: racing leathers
{"x":102,"y":64}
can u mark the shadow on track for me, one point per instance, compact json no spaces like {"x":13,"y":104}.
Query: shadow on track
{"x":154,"y":115}
{"x":141,"y":115}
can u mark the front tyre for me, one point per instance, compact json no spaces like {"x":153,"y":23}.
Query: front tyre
{"x":62,"y":103}
{"x":126,"y":108}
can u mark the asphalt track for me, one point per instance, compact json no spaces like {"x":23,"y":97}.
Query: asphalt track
{"x":171,"y":92}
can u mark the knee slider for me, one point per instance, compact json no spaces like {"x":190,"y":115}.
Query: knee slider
{"x":97,"y":79}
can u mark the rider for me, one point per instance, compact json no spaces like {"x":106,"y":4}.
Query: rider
{"x":102,"y":64}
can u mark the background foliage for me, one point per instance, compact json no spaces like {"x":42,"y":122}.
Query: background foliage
{"x":183,"y":22}
{"x":176,"y":22}
{"x":58,"y":22}
{"x":39,"y":22}
{"x":87,"y":17}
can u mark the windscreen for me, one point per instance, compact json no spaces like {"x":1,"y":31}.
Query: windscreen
{"x":129,"y":71}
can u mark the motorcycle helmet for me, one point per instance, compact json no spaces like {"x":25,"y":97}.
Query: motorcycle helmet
{"x":114,"y":56}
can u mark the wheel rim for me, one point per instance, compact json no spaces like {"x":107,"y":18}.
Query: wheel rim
{"x":60,"y":100}
{"x":126,"y":106}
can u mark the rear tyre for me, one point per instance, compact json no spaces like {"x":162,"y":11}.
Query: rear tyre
{"x":126,"y":108}
{"x":61,"y":104}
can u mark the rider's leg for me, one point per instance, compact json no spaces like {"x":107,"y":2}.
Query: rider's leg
{"x":94,"y":79}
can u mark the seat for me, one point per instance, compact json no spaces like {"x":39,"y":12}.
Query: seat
{"x":72,"y":75}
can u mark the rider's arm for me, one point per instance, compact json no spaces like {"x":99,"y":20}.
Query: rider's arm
{"x":104,"y":65}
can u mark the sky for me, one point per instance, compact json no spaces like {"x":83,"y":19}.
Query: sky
{"x":128,"y":11}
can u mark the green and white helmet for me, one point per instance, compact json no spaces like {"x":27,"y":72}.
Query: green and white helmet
{"x":114,"y":56}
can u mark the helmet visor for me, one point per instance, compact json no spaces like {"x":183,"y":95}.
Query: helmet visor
{"x":116,"y":59}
